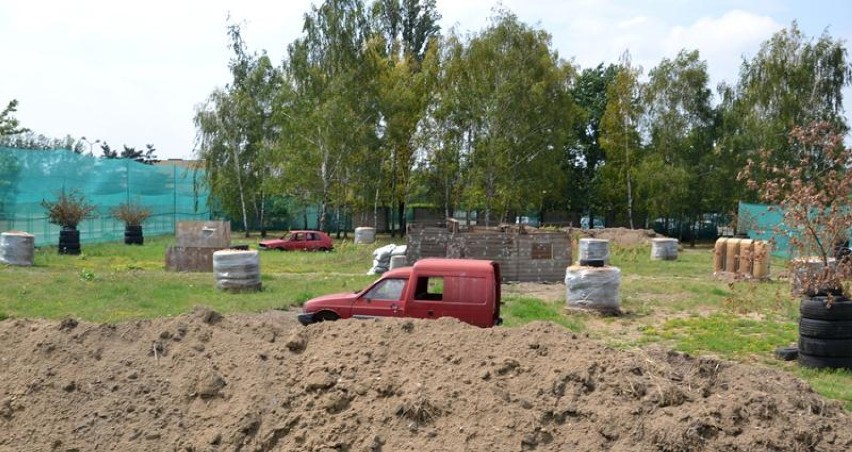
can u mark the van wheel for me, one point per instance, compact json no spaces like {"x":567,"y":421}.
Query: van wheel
{"x":325,"y":316}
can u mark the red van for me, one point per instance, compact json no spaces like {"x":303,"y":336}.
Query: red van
{"x":466,"y":289}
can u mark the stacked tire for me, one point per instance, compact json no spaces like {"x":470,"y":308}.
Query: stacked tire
{"x":133,"y":235}
{"x":825,"y":333}
{"x":69,"y":241}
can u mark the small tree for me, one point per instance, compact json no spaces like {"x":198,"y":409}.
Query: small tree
{"x":69,"y":209}
{"x":814,"y":197}
{"x":131,"y":214}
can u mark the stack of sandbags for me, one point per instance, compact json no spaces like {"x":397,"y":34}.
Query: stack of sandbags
{"x":365,"y":235}
{"x":237,"y":270}
{"x":593,"y":252}
{"x":381,"y":259}
{"x":17,"y":248}
{"x":595,"y":288}
{"x":664,"y":249}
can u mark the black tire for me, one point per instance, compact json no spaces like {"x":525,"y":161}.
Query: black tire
{"x":819,"y":362}
{"x":815,"y":308}
{"x":69,"y":250}
{"x":69,"y":234}
{"x":831,"y":348}
{"x":592,"y":262}
{"x":325,"y":316}
{"x":786,"y":353}
{"x":69,"y":241}
{"x":825,"y":329}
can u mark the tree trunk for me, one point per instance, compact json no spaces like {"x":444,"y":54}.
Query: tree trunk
{"x":262,"y":215}
{"x":376,"y":211}
{"x":242,"y":191}
{"x":401,"y":213}
{"x":346,"y":228}
{"x":393,"y":188}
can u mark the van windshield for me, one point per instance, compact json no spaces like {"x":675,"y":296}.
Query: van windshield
{"x":387,"y":289}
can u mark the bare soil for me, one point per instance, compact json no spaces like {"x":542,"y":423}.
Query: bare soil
{"x":203,"y":382}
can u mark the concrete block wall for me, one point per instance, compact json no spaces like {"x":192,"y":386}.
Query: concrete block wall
{"x":534,"y":257}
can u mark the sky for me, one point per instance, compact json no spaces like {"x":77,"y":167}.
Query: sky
{"x":134,"y":72}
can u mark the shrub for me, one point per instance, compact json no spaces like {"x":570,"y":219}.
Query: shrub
{"x":131,"y":214}
{"x":69,"y":209}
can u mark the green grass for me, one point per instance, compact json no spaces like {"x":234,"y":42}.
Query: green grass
{"x":677,"y":304}
{"x":833,"y":384}
{"x":517,"y":311}
{"x":727,"y":335}
{"x":112,"y":282}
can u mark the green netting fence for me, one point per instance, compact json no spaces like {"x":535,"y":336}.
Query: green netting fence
{"x":764,"y":222}
{"x":172,"y":193}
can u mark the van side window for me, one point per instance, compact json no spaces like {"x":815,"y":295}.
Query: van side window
{"x":429,"y":288}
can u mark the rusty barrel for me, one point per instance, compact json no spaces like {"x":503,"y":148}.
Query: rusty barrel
{"x":719,"y":252}
{"x":746,"y":257}
{"x":762,"y":256}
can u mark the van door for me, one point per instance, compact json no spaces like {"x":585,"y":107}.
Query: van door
{"x":383,"y":299}
{"x":497,"y":296}
{"x":463,"y":297}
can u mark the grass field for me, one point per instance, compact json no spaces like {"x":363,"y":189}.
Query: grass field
{"x":676,"y":304}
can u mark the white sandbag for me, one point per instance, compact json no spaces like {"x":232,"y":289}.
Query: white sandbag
{"x":381,"y":259}
{"x":399,"y":250}
{"x":593,"y":288}
{"x":594,"y":249}
{"x":398,"y":261}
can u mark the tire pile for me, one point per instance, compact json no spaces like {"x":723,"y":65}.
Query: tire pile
{"x":133,"y":235}
{"x":69,"y":241}
{"x":825,"y":333}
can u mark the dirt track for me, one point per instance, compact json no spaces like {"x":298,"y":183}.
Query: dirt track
{"x":262,"y":382}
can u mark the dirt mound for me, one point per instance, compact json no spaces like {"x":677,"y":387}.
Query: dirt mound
{"x":262,"y":382}
{"x":620,"y":236}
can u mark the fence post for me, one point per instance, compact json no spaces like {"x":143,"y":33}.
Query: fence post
{"x":174,"y":199}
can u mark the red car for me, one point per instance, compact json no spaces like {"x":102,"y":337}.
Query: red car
{"x":301,"y":241}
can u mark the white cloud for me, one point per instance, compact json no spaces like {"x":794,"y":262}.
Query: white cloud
{"x":724,"y":40}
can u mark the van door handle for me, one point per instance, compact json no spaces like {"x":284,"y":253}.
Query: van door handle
{"x":430,"y":313}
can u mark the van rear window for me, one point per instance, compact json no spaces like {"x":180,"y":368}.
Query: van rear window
{"x":429,"y":288}
{"x":451,"y":289}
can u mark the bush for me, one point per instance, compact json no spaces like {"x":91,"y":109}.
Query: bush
{"x":131,"y":214}
{"x":69,"y":209}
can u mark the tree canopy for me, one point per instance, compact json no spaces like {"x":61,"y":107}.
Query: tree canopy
{"x":374,"y":108}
